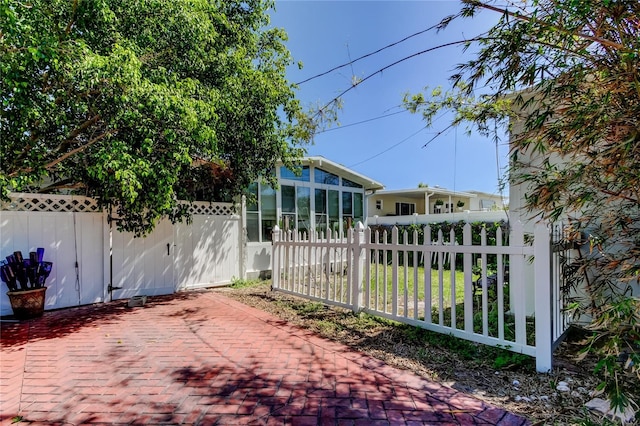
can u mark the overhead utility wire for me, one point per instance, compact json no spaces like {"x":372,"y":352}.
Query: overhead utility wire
{"x":453,"y":43}
{"x":437,"y":135}
{"x":369,"y":54}
{"x":403,"y":141}
{"x":385,"y":116}
{"x":362,"y":122}
{"x":390,"y":148}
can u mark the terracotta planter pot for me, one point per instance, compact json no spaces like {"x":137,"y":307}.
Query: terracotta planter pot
{"x":27,"y":304}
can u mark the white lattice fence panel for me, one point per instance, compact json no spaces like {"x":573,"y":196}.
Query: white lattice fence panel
{"x":212,"y":209}
{"x":71,"y":203}
{"x":50,"y":203}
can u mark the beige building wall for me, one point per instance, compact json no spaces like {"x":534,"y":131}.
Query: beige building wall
{"x":388,"y":204}
{"x":382,"y":204}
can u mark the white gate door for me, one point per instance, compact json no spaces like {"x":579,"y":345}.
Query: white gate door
{"x":208,"y":251}
{"x":73,"y":241}
{"x":143,"y":266}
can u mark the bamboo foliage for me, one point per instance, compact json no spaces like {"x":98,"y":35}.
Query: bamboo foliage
{"x":562,"y":78}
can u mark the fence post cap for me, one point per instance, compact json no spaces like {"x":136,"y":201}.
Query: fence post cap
{"x":359,"y":226}
{"x":275,"y":234}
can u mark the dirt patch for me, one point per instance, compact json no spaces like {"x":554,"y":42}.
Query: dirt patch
{"x":499,"y":377}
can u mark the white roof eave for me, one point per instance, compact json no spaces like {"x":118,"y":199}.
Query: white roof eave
{"x":420,"y":192}
{"x":333,"y":167}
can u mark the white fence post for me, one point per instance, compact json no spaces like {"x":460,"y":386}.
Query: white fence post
{"x":358,"y":267}
{"x":242,"y":238}
{"x":275,"y":258}
{"x":468,"y":279}
{"x":543,"y":305}
{"x":394,"y":272}
{"x":517,"y":283}
{"x":106,"y":254}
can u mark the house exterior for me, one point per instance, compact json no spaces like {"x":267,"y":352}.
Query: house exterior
{"x":485,"y":201}
{"x":325,"y":195}
{"x":223,"y":241}
{"x":429,"y":204}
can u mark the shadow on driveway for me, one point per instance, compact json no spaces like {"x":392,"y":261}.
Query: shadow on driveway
{"x":201,"y":358}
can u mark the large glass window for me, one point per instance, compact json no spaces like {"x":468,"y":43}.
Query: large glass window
{"x":350,"y":184}
{"x":253,"y":227}
{"x":334,"y":210}
{"x":347,"y":204}
{"x":358,"y":207}
{"x":347,"y":210}
{"x":321,"y":210}
{"x":288,"y":206}
{"x":252,"y":197}
{"x":267,"y":211}
{"x":253,"y":215}
{"x":352,"y":208}
{"x":404,"y":209}
{"x":261,"y":212}
{"x":304,"y":208}
{"x":320,"y":176}
{"x":288,"y":198}
{"x":303,"y":174}
{"x":487,"y":204}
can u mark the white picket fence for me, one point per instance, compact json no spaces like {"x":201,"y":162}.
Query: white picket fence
{"x":519,"y":307}
{"x":94,"y":262}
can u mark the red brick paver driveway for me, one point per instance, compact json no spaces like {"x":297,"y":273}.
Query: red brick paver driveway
{"x":201,"y":358}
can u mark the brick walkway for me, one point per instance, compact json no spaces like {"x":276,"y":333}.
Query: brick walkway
{"x":201,"y":358}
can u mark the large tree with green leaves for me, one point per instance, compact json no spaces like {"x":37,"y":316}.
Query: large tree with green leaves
{"x":141,"y":103}
{"x":564,"y":76}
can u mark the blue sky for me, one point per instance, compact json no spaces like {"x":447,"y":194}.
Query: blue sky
{"x":324,"y":34}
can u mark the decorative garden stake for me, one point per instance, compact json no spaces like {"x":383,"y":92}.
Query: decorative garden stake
{"x":25,"y":279}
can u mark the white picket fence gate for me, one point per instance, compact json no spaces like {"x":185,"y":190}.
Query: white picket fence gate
{"x":94,"y":262}
{"x":519,"y":308}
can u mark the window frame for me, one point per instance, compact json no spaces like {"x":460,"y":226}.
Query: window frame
{"x":401,"y":204}
{"x":337,"y":192}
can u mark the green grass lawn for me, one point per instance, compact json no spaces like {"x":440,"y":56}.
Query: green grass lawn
{"x":411,"y":281}
{"x":412,"y":284}
{"x":411,"y":298}
{"x":411,"y":290}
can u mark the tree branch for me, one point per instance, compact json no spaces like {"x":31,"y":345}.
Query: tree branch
{"x":60,"y":159}
{"x":73,"y":17}
{"x":74,"y":134}
{"x":619,"y":195}
{"x":602,"y":41}
{"x":50,"y":165}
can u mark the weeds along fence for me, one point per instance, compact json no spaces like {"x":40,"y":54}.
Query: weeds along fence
{"x":493,"y":289}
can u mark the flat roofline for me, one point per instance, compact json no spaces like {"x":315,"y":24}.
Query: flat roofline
{"x":422,"y":191}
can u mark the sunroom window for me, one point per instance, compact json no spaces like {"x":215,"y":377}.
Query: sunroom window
{"x":302,"y":175}
{"x":320,"y":176}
